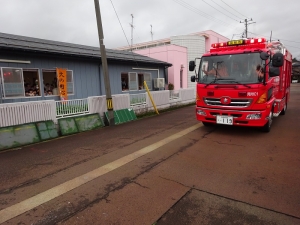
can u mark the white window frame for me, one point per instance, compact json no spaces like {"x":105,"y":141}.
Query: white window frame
{"x":135,"y":80}
{"x":32,"y":69}
{"x":53,"y":70}
{"x":3,"y":86}
{"x":73,"y":93}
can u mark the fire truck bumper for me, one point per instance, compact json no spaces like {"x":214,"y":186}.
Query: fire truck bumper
{"x":233,"y":117}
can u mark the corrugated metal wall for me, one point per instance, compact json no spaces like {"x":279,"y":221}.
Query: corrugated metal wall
{"x":196,"y":48}
{"x":87,"y":76}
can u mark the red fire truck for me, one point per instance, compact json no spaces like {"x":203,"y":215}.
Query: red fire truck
{"x":243,"y":82}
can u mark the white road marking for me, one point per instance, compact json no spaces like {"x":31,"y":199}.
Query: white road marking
{"x":30,"y":203}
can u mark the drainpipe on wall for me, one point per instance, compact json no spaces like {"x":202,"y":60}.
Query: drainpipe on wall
{"x":166,"y":75}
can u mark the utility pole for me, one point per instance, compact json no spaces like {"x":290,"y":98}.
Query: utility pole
{"x":109,"y":102}
{"x":131,"y":24}
{"x":151,"y":33}
{"x":246,"y":22}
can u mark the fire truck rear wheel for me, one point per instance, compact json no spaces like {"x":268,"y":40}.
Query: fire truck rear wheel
{"x":267,"y":127}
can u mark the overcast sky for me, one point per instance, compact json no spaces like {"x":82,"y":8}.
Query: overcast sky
{"x":74,"y":21}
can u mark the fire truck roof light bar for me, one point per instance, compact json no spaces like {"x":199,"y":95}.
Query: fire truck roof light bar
{"x":239,"y":42}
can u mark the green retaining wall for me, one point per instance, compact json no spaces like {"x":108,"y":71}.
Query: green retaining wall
{"x":77,"y":124}
{"x":67,"y":126}
{"x":19,"y":135}
{"x":15,"y":136}
{"x":46,"y":130}
{"x":88,"y":122}
{"x":122,"y":115}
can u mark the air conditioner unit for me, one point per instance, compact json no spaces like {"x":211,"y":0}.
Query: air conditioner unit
{"x":159,"y":82}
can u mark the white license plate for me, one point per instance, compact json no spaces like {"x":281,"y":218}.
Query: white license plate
{"x":228,"y":120}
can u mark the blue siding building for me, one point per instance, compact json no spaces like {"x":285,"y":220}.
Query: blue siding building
{"x":28,"y":70}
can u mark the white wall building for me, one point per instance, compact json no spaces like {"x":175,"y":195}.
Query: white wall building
{"x":196,"y":45}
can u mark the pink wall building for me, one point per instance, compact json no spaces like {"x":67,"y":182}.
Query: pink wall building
{"x":177,"y":55}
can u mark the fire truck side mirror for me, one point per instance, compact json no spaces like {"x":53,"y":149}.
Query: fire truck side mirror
{"x":277,"y":59}
{"x":264,"y":55}
{"x":192,"y":65}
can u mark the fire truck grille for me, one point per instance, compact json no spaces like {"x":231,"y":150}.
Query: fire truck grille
{"x":238,"y":103}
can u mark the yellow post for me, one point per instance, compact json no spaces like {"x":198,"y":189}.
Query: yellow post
{"x":149,"y":94}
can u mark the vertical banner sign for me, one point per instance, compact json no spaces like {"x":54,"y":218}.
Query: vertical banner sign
{"x":62,"y":83}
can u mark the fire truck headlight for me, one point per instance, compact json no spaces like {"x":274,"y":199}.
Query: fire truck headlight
{"x":201,"y":112}
{"x":255,"y":116}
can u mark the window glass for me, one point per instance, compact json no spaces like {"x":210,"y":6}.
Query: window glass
{"x":243,"y":68}
{"x":141,"y":81}
{"x":31,"y":82}
{"x":147,"y":78}
{"x":50,"y":82}
{"x":133,"y":85}
{"x":70,"y":82}
{"x":124,"y":81}
{"x":13,"y":84}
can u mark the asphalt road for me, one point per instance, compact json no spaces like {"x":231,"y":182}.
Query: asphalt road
{"x":165,"y":169}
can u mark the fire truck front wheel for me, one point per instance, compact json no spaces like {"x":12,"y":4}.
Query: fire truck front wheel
{"x":266,"y":128}
{"x":207,"y":123}
{"x":284,"y":109}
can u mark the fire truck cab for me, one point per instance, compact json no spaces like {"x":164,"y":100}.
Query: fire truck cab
{"x":243,"y":82}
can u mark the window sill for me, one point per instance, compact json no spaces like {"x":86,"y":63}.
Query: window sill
{"x":134,"y":90}
{"x":48,"y":96}
{"x":22,"y":97}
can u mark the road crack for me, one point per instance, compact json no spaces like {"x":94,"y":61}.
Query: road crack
{"x":228,"y":198}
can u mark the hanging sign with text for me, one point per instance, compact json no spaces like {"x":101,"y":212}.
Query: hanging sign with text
{"x":62,"y":83}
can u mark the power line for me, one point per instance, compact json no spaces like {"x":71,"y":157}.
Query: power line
{"x":220,"y":11}
{"x":199,"y":12}
{"x":289,"y":41}
{"x":277,"y":39}
{"x":226,"y":9}
{"x":246,"y":22}
{"x":234,"y":9}
{"x":239,"y":35}
{"x":292,"y":46}
{"x":120,"y":22}
{"x":133,"y":56}
{"x":274,"y":37}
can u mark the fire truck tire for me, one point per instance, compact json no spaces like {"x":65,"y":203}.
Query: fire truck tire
{"x":284,"y":109}
{"x":266,"y":128}
{"x":207,"y":123}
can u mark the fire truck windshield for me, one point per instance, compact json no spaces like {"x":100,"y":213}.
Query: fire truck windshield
{"x":243,"y":68}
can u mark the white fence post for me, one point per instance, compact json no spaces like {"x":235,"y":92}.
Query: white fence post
{"x":121,"y":101}
{"x":160,"y":98}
